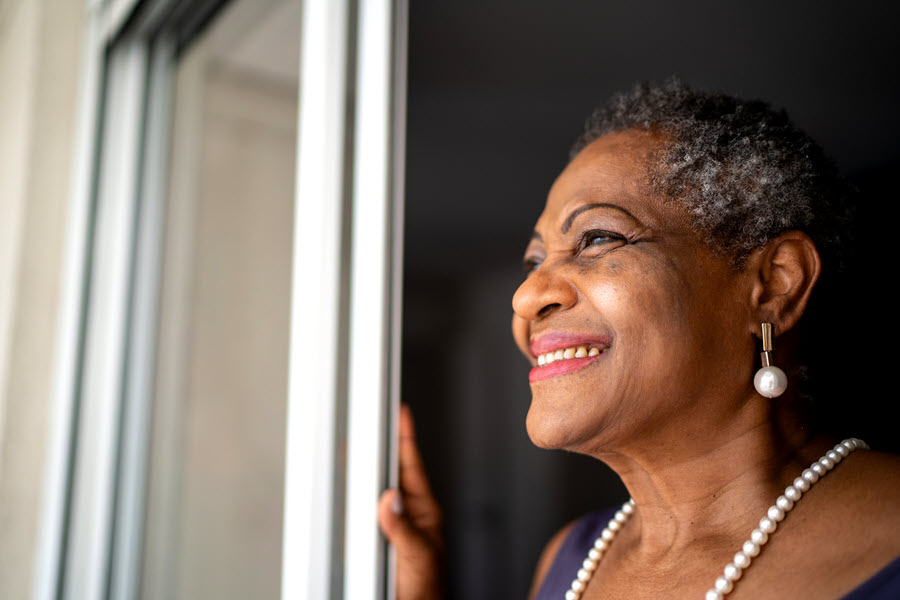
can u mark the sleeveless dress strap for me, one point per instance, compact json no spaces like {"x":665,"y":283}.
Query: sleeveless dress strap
{"x":572,"y":553}
{"x":884,"y":585}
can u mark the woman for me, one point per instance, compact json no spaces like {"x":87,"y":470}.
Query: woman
{"x":684,"y":229}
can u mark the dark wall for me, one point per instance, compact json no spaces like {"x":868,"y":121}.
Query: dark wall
{"x":497,"y":92}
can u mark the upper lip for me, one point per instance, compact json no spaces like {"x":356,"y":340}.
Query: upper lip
{"x":560,"y":340}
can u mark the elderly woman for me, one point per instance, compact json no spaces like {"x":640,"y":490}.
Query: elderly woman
{"x":667,"y":277}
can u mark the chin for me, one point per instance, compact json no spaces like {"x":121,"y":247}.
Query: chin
{"x":555,"y":424}
{"x":547,"y":431}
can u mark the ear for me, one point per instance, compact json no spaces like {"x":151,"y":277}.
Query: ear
{"x":785,"y":271}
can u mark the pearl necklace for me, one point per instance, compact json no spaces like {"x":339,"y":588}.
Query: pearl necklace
{"x":751,"y":547}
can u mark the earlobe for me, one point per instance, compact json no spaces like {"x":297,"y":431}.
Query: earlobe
{"x":786,"y":270}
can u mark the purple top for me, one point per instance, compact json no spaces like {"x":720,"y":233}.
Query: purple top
{"x":884,"y":585}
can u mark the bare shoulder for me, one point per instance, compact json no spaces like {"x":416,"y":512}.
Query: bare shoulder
{"x":872,"y":487}
{"x":860,"y":510}
{"x":842,"y":533}
{"x":548,"y":554}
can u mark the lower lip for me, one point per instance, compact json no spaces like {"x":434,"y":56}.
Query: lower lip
{"x":561,"y":367}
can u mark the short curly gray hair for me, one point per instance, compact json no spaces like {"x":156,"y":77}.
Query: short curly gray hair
{"x":741,"y":168}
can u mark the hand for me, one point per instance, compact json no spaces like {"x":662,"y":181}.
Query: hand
{"x":410,"y":519}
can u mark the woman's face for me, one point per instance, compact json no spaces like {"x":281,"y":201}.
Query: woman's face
{"x":656,"y":326}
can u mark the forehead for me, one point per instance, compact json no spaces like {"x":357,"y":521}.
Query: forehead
{"x":613,"y":169}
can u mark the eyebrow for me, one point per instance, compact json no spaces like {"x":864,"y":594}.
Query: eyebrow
{"x":567,"y":224}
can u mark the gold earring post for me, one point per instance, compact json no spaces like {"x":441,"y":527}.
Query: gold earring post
{"x":767,"y":343}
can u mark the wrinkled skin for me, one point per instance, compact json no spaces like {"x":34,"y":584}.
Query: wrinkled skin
{"x":630,"y":267}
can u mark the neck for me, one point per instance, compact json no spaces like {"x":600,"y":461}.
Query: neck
{"x":705,"y":489}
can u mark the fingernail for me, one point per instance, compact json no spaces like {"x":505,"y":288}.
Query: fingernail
{"x":397,"y":503}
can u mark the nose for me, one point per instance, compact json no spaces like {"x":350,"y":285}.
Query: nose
{"x":544,"y":292}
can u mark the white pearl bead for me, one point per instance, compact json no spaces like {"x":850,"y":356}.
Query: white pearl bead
{"x":594,"y":554}
{"x":583,"y":575}
{"x":775,"y":513}
{"x":751,"y":549}
{"x":801,"y":484}
{"x":600,"y":544}
{"x":621,"y":517}
{"x":767,"y":524}
{"x":589,"y":564}
{"x":826,"y":462}
{"x":849,"y":444}
{"x":724,"y":585}
{"x":607,"y":535}
{"x":842,"y":450}
{"x":628,"y":507}
{"x":759,"y":536}
{"x":810,"y":475}
{"x":713,"y":595}
{"x":834,"y":456}
{"x":732,"y":572}
{"x":613,"y":525}
{"x":792,"y":493}
{"x":741,"y":560}
{"x":570,"y":595}
{"x":770,"y":382}
{"x":818,"y":469}
{"x":577,"y":586}
{"x":784,"y":503}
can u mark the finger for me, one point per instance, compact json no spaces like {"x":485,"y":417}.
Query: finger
{"x":418,"y":559}
{"x":397,"y":528}
{"x":413,"y":479}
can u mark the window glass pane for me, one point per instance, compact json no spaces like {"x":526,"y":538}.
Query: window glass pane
{"x":216,"y":486}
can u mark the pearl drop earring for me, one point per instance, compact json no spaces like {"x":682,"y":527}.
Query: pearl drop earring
{"x":769,"y":381}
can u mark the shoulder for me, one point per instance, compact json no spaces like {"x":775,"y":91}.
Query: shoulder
{"x":870,"y":494}
{"x":563,"y":554}
{"x":859,"y":508}
{"x":845,"y":536}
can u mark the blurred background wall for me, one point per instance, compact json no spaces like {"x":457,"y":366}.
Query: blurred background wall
{"x":498,"y":90}
{"x":40,"y":59}
{"x":217,"y":454}
{"x":215,"y":489}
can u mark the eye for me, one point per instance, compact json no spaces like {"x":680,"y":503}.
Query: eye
{"x":530,"y":265}
{"x":598,"y":237}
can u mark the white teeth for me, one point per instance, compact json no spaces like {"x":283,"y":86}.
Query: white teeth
{"x":566,"y":353}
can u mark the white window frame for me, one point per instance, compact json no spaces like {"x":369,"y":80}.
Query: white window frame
{"x":347,"y":274}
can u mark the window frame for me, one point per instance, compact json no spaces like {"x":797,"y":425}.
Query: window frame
{"x":347,"y":248}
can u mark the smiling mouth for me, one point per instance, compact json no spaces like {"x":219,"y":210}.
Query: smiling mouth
{"x":567,"y":354}
{"x":565,"y":360}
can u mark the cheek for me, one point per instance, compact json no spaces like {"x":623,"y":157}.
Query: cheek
{"x":639,"y":298}
{"x":610,"y":267}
